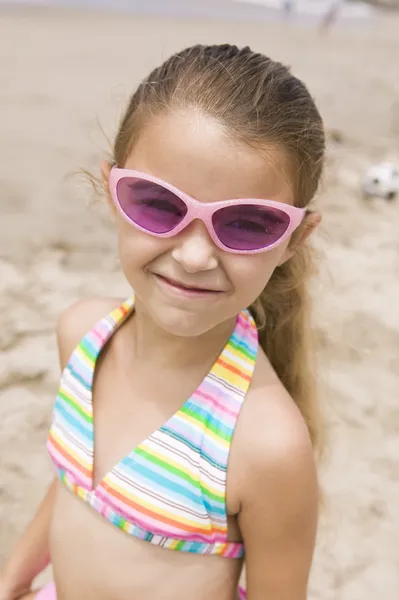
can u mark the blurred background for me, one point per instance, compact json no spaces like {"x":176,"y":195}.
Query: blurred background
{"x":66,"y":72}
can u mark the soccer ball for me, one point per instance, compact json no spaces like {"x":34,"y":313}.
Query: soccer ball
{"x":381,"y":181}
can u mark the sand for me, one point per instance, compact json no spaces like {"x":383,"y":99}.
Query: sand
{"x":61,"y":74}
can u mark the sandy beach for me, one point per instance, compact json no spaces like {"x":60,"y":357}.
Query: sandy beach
{"x":65,"y":76}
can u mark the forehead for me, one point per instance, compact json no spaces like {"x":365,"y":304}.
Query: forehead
{"x":193,"y":152}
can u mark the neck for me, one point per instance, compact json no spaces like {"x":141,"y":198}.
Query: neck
{"x":153,"y":345}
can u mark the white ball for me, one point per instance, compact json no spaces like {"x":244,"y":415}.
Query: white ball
{"x":382,"y":181}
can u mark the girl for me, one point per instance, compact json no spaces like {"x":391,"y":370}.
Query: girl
{"x":185,"y":425}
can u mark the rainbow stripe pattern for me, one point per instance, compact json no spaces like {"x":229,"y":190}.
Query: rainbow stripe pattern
{"x":171,"y":489}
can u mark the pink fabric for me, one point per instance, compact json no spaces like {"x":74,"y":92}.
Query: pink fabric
{"x":47,"y":593}
{"x":242,"y":594}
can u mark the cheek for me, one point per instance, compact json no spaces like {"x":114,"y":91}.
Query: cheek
{"x":136,"y":249}
{"x":249,"y":275}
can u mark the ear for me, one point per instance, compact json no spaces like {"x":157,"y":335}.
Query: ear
{"x":309,"y":224}
{"x":105,"y":169}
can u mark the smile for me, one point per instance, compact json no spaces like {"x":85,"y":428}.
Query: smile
{"x":183,"y":289}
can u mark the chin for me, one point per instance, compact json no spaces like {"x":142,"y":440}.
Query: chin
{"x":183,"y":323}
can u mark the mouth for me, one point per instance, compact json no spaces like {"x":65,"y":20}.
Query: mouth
{"x":189,"y":289}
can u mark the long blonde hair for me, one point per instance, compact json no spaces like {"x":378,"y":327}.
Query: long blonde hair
{"x":258,"y":102}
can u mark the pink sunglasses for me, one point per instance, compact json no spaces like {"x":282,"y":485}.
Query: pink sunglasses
{"x":243,"y":226}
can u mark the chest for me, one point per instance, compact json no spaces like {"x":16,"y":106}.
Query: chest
{"x":130,"y":405}
{"x":148,"y":448}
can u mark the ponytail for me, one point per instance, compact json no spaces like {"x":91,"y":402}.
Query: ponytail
{"x":282,"y":315}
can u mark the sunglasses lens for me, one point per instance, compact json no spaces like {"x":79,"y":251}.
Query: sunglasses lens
{"x":150,"y":205}
{"x":250,"y":227}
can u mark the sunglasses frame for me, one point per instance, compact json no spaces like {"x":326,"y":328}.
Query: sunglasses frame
{"x":203,"y":210}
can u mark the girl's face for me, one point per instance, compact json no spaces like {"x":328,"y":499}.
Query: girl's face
{"x":192,"y":152}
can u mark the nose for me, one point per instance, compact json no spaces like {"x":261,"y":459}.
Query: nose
{"x":194,"y":249}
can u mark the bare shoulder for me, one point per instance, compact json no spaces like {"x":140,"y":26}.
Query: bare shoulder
{"x":271,"y":441}
{"x":76,"y":320}
{"x":270,"y":420}
{"x":274,"y":488}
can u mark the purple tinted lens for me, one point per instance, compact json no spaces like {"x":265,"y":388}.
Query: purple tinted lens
{"x":249,"y":227}
{"x":150,"y":205}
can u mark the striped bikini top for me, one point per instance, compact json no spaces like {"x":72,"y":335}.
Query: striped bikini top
{"x":171,"y":489}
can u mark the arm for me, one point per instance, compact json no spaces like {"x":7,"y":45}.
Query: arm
{"x":31,"y":554}
{"x":278,"y":518}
